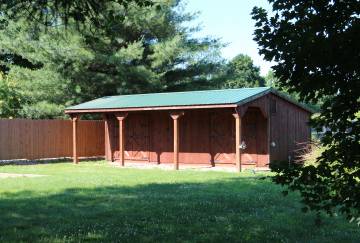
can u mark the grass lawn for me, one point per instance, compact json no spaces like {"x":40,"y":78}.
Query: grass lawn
{"x":94,"y":201}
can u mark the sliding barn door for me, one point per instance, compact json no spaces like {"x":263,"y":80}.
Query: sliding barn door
{"x":222,"y":137}
{"x":137,"y":141}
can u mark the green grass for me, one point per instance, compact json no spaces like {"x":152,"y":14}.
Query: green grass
{"x":94,"y":201}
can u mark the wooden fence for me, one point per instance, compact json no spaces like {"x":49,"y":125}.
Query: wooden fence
{"x":37,"y":139}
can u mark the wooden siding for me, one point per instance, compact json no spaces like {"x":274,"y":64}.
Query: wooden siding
{"x":153,"y":140}
{"x":38,"y":139}
{"x":206,"y":137}
{"x":289,"y":129}
{"x":255,"y":137}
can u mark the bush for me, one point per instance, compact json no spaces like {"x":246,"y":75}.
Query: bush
{"x":310,"y":154}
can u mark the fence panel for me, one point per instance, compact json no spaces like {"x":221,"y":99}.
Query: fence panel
{"x":37,"y":139}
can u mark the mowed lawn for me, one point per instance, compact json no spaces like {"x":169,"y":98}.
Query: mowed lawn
{"x":94,"y":201}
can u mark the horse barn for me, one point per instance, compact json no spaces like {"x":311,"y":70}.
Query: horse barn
{"x":243,"y":128}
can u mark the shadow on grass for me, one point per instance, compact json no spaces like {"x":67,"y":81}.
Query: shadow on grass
{"x":237,"y":209}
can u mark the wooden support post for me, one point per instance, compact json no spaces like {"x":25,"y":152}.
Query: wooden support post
{"x":74,"y":119}
{"x":268,"y":121}
{"x":107,"y":143}
{"x":121,"y":118}
{"x":237,"y":141}
{"x":175,"y":116}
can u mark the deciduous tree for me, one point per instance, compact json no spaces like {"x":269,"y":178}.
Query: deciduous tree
{"x":316,"y":47}
{"x":241,"y":72}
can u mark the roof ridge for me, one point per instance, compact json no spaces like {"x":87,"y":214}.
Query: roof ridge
{"x":163,"y":93}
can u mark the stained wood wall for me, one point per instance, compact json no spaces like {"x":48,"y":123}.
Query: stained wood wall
{"x":289,"y":129}
{"x":149,"y":137}
{"x":208,"y":136}
{"x":37,"y":139}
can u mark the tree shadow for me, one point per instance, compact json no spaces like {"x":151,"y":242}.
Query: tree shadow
{"x":236,"y":209}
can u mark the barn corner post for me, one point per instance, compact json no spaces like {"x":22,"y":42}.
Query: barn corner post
{"x":268,"y":127}
{"x":176,"y":116}
{"x":121,"y":118}
{"x":74,"y":119}
{"x":237,"y":116}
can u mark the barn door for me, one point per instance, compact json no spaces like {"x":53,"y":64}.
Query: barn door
{"x":222,"y":140}
{"x":137,"y":137}
{"x":249,"y":136}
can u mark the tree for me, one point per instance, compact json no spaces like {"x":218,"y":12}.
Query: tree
{"x":241,"y":72}
{"x":10,"y":99}
{"x":271,"y":80}
{"x":316,"y":47}
{"x":137,"y":50}
{"x":54,"y":12}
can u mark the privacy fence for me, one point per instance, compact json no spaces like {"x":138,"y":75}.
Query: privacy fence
{"x":38,"y":139}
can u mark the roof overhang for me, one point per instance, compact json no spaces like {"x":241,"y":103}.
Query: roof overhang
{"x":155,"y":108}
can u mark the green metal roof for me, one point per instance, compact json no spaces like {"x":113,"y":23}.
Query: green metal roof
{"x":189,"y":98}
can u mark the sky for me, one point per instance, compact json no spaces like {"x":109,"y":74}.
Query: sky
{"x":231,"y":21}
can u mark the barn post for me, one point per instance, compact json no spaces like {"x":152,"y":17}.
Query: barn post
{"x":121,"y":118}
{"x":175,"y":116}
{"x":237,"y":141}
{"x":108,"y":151}
{"x":74,"y":119}
{"x":268,"y":123}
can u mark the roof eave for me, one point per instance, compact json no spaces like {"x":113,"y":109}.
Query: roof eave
{"x":150,"y":108}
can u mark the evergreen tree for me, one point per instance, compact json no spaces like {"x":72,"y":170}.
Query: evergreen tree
{"x":10,"y":98}
{"x":53,"y":12}
{"x":135,"y":50}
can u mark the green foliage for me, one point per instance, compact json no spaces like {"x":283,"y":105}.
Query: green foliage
{"x":271,"y":80}
{"x":97,"y":202}
{"x":316,"y":47}
{"x":42,"y":110}
{"x":54,"y":12}
{"x":10,"y":98}
{"x":136,"y":49}
{"x":241,"y":72}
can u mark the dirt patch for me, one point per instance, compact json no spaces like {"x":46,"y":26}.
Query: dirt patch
{"x":170,"y":166}
{"x":13,"y":175}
